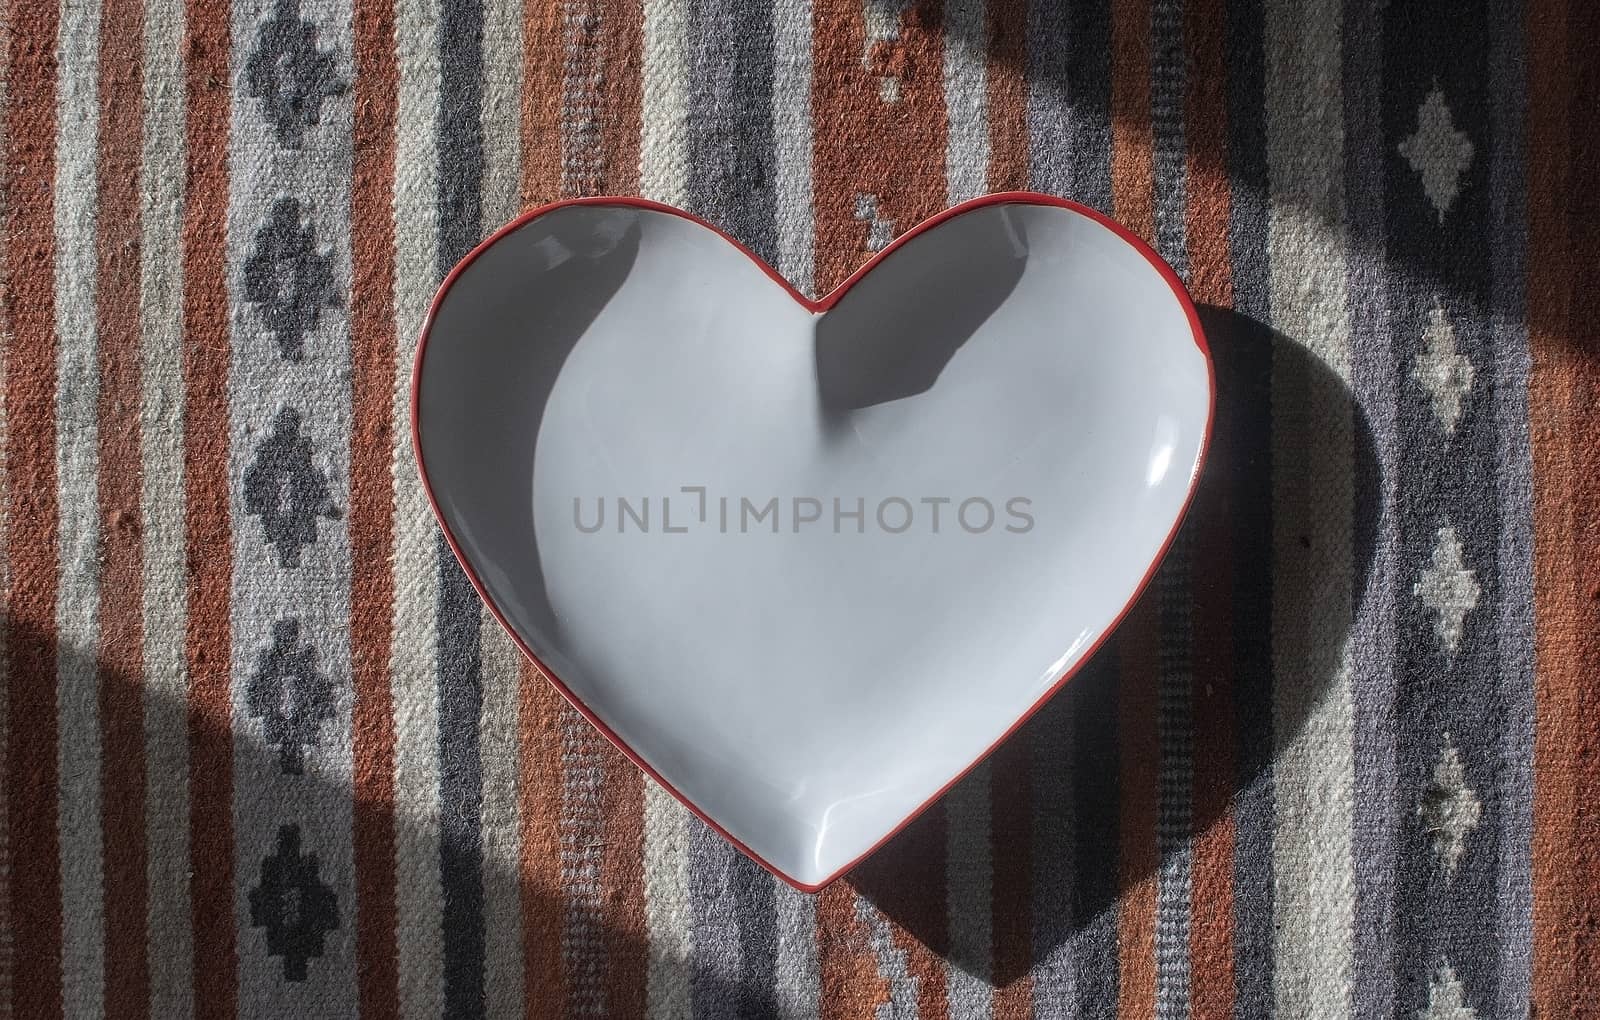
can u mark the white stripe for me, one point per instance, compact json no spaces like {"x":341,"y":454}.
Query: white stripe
{"x":502,"y":112}
{"x":77,"y":454}
{"x":412,"y":668}
{"x":664,"y":143}
{"x":1311,"y":465}
{"x":501,"y":822}
{"x":791,"y":129}
{"x":666,"y":900}
{"x":966,"y":101}
{"x":499,"y":753}
{"x":166,"y":589}
{"x":664,"y":176}
{"x":270,"y":585}
{"x":799,"y":980}
{"x":968,"y":868}
{"x":968,"y":881}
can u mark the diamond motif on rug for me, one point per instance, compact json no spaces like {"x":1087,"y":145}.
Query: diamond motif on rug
{"x":286,"y":490}
{"x":290,"y":697}
{"x":1449,"y":588}
{"x":293,"y":903}
{"x":1447,"y":1000}
{"x":290,"y":75}
{"x":1438,"y":152}
{"x":288,"y":278}
{"x":1450,"y":809}
{"x":1444,"y":373}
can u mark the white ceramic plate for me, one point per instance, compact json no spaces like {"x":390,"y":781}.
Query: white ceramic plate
{"x":634,"y":434}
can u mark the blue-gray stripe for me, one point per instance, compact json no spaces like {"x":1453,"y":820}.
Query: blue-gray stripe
{"x":1174,"y":724}
{"x":1075,"y":764}
{"x":1373,"y":638}
{"x":1514,"y":609}
{"x":1444,"y":916}
{"x":1069,"y":100}
{"x":460,"y":673}
{"x":732,"y":179}
{"x":1251,"y":366}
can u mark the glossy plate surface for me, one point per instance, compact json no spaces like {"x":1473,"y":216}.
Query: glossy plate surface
{"x":807,"y":562}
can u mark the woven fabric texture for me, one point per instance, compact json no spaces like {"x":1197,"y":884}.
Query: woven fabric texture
{"x":266,"y":755}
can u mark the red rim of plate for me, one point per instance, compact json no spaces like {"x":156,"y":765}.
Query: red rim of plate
{"x":821,"y":304}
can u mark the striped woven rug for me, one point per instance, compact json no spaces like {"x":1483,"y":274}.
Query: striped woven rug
{"x":266,"y":755}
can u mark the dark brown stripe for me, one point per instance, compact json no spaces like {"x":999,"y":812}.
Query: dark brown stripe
{"x":622,"y":795}
{"x":1008,"y":95}
{"x":1211,"y":980}
{"x":1140,"y":765}
{"x":622,"y":62}
{"x":1563,"y":175}
{"x":122,"y":775}
{"x":1132,"y":164}
{"x":30,"y":605}
{"x":372,"y":505}
{"x":622,"y":869}
{"x":540,"y":705}
{"x":543,"y":59}
{"x":539,"y":796}
{"x":209,"y":542}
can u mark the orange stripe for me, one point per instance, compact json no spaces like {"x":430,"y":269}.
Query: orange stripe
{"x":542,"y":34}
{"x":30,"y":608}
{"x":539,"y":796}
{"x":865,"y":146}
{"x":1211,"y":973}
{"x":622,"y":796}
{"x":1133,"y":171}
{"x":539,"y":704}
{"x":372,"y":505}
{"x":906,"y":881}
{"x":894,"y":152}
{"x":1141,"y":764}
{"x":127,"y":968}
{"x":1008,"y":95}
{"x":210,"y":547}
{"x":1562,"y":394}
{"x":851,"y":985}
{"x":622,"y":64}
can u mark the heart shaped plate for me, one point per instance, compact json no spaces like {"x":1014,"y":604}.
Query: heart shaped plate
{"x":807,"y":562}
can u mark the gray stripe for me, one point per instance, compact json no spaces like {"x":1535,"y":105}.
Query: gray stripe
{"x":1514,"y":552}
{"x":279,"y":152}
{"x":966,"y":162}
{"x":413,"y":679}
{"x":799,"y":978}
{"x":170,"y":952}
{"x":1055,"y":864}
{"x":77,"y":410}
{"x":1166,"y":125}
{"x":731,"y":182}
{"x":1312,"y":493}
{"x":1377,"y":478}
{"x":791,"y":128}
{"x":1069,"y":100}
{"x":1174,"y":723}
{"x":969,"y":880}
{"x":1174,"y":729}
